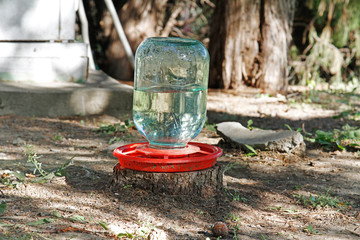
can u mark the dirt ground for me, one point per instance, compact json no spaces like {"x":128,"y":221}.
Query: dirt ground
{"x":264,"y":196}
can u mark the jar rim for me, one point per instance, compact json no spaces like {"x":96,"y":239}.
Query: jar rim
{"x":173,"y":40}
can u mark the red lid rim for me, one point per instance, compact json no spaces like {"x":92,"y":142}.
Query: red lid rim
{"x":118,"y":153}
{"x":181,"y":164}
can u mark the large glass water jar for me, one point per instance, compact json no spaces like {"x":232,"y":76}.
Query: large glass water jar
{"x":170,"y":90}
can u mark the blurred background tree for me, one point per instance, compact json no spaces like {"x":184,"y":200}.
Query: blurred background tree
{"x":249,"y":43}
{"x":326,"y":43}
{"x":259,"y":43}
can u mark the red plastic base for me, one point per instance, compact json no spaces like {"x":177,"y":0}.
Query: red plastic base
{"x":139,"y":156}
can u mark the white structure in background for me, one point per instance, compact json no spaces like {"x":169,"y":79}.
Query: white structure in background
{"x":37,"y":42}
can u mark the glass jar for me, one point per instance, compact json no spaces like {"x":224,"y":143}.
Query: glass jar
{"x":170,"y":90}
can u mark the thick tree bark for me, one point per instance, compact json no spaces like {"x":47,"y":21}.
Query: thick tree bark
{"x":204,"y":183}
{"x":276,"y":36}
{"x":217,"y":48}
{"x":234,"y":43}
{"x":140,"y":20}
{"x":249,"y":42}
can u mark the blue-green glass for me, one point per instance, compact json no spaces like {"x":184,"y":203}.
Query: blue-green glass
{"x":170,"y":90}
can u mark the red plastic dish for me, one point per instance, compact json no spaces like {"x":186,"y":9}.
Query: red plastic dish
{"x":140,"y":157}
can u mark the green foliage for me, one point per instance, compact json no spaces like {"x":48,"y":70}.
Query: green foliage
{"x":104,"y":225}
{"x":235,"y":165}
{"x":115,"y":128}
{"x":61,"y":171}
{"x":33,"y":158}
{"x":210,"y":126}
{"x":10,"y":180}
{"x":249,"y":124}
{"x":288,"y":127}
{"x":333,"y":51}
{"x":297,"y":187}
{"x":347,"y":137}
{"x":341,"y":138}
{"x":252,"y":152}
{"x":44,"y":175}
{"x":78,"y":218}
{"x":57,"y":137}
{"x":232,"y":217}
{"x":126,"y":235}
{"x":310,"y":230}
{"x":321,"y":200}
{"x":349,"y":114}
{"x":127,"y":186}
{"x":127,"y":137}
{"x":2,"y":207}
{"x":41,"y":221}
{"x":141,"y":233}
{"x":56,"y":214}
{"x":235,"y":195}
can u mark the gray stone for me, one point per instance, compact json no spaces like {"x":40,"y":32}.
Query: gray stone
{"x":100,"y":94}
{"x":282,"y":140}
{"x":18,"y":141}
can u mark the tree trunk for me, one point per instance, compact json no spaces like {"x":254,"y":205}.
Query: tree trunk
{"x":204,"y":183}
{"x":249,"y":41}
{"x":276,"y":36}
{"x":234,"y":43}
{"x":140,"y":19}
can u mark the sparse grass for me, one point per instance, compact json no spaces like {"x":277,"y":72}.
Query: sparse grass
{"x":235,"y":195}
{"x":104,"y":225}
{"x":234,"y":165}
{"x":33,"y":158}
{"x":233,"y":217}
{"x":297,"y":187}
{"x":249,"y":124}
{"x":21,"y":230}
{"x":252,"y":151}
{"x":126,"y":235}
{"x":41,"y":222}
{"x":310,"y":230}
{"x":115,"y":128}
{"x":286,"y":210}
{"x":236,"y":229}
{"x":350,"y":115}
{"x":125,"y":138}
{"x":141,"y":233}
{"x":22,"y":236}
{"x":343,"y":139}
{"x":321,"y":200}
{"x":12,"y":179}
{"x":200,"y":212}
{"x":39,"y":175}
{"x":57,"y":137}
{"x":2,"y":207}
{"x":210,"y":126}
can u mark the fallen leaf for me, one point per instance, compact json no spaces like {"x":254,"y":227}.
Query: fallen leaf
{"x":30,"y":175}
{"x":72,"y":229}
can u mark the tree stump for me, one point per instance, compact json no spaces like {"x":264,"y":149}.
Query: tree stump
{"x":205,"y":183}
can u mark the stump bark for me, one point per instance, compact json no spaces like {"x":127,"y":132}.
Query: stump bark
{"x":205,"y":183}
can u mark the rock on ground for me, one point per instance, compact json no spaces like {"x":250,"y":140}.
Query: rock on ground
{"x":282,"y":140}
